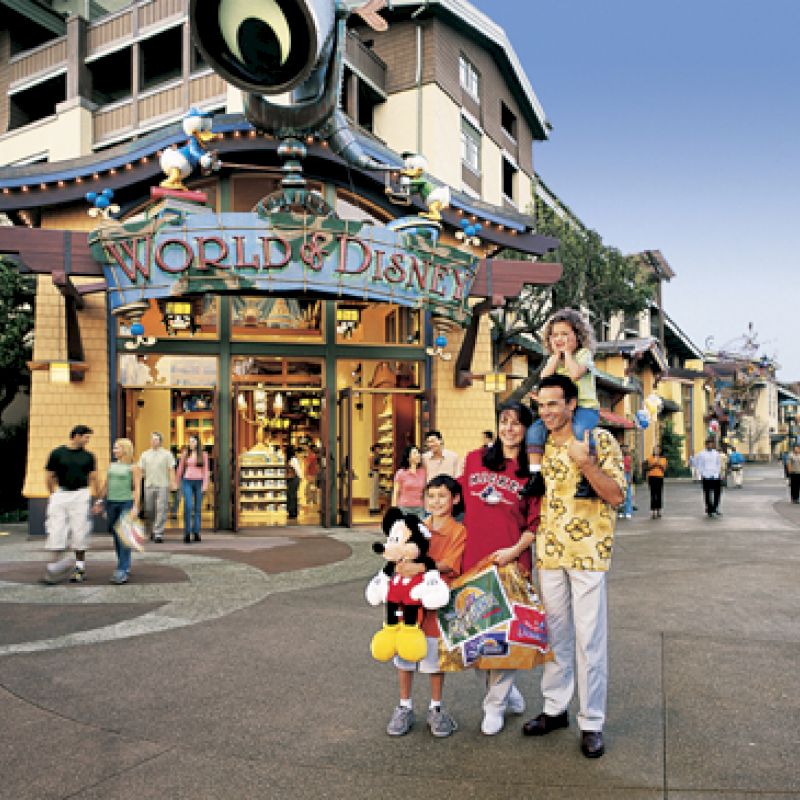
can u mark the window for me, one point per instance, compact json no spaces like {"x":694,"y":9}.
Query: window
{"x":470,"y":146}
{"x":509,"y":178}
{"x":111,"y":77}
{"x":160,"y":58}
{"x":508,"y":121}
{"x":469,"y":78}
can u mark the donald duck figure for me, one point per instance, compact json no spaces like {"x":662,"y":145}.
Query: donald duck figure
{"x":413,"y":180}
{"x":178,"y":163}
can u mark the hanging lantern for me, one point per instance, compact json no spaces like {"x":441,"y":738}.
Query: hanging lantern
{"x":59,"y":372}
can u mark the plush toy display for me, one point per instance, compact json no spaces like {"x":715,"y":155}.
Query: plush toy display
{"x":407,"y":539}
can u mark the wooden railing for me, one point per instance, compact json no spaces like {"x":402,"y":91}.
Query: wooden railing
{"x":43,"y":59}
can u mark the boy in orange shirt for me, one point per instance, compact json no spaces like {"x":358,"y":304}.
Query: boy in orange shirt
{"x":444,"y":502}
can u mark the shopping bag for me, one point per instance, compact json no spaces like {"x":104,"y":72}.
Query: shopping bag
{"x":131,"y":532}
{"x":494,"y":620}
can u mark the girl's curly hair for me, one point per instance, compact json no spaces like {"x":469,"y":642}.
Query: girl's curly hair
{"x":579,"y":324}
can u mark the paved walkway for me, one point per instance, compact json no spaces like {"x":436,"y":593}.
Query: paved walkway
{"x":239,"y":668}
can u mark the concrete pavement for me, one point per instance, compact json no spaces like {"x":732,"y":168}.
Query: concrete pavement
{"x":240,"y":669}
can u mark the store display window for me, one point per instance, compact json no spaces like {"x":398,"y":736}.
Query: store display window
{"x":178,"y":318}
{"x":276,"y":319}
{"x":377,"y":323}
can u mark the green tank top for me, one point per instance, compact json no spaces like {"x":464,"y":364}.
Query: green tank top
{"x":120,"y":484}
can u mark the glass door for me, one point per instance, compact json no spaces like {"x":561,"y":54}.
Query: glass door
{"x":344,"y":440}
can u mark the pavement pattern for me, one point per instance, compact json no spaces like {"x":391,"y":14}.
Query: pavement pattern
{"x":239,"y":668}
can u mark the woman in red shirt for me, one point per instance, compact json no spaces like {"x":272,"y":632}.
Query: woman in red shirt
{"x":500,"y":527}
{"x":409,"y":483}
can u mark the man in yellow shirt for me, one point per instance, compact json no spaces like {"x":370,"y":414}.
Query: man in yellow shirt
{"x":573,"y":553}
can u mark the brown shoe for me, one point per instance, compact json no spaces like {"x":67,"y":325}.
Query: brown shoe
{"x":544,"y":723}
{"x":592,"y":744}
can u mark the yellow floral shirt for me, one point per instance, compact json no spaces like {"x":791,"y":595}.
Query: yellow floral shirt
{"x":577,"y":533}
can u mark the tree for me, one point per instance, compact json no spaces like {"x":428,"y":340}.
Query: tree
{"x":596,"y":278}
{"x":671,"y":444}
{"x":17,"y":294}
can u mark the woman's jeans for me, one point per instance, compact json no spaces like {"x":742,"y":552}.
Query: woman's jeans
{"x":114,"y":510}
{"x":583,"y":420}
{"x":192,"y":505}
{"x":628,"y":505}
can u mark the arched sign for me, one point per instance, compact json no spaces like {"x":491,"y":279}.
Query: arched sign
{"x":192,"y":253}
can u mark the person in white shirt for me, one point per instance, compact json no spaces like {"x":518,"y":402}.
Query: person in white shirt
{"x":437,"y":460}
{"x":709,"y":465}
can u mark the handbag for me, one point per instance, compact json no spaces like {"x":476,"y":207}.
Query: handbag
{"x":131,"y":532}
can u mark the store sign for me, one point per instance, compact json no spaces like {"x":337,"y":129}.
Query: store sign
{"x":203,"y":252}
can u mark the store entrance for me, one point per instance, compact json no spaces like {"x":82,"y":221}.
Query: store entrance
{"x":278,"y":416}
{"x":374,"y":428}
{"x":177,"y":414}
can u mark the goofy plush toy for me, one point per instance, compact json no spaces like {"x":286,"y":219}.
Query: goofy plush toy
{"x":407,"y":540}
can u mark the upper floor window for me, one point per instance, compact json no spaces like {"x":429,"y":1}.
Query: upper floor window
{"x":508,"y":121}
{"x":469,"y":78}
{"x":509,"y":179}
{"x":470,"y":146}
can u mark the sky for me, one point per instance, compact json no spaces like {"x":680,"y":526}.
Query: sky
{"x":676,"y":127}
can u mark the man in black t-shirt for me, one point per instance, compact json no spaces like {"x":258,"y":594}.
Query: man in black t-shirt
{"x":71,"y":475}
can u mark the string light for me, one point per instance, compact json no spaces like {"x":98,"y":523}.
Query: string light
{"x":112,"y":171}
{"x":145,"y":160}
{"x":61,"y":184}
{"x":24,"y":188}
{"x":6,"y":190}
{"x":95,"y":177}
{"x":43,"y":187}
{"x":129,"y":166}
{"x":253,"y":133}
{"x":79,"y":179}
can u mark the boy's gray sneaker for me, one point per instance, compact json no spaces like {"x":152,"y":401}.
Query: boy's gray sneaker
{"x":401,"y":722}
{"x":440,"y":722}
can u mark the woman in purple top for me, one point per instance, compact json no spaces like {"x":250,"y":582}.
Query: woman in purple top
{"x":409,"y":483}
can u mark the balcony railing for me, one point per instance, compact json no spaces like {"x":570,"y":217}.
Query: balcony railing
{"x":49,"y":57}
{"x":364,"y":61}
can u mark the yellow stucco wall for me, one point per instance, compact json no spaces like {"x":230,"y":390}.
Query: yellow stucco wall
{"x":56,"y":409}
{"x":395,"y":121}
{"x":461,"y":414}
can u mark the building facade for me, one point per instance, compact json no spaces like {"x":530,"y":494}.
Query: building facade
{"x":253,"y":312}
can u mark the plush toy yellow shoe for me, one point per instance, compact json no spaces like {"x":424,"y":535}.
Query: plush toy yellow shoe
{"x":411,"y":644}
{"x":384,"y":643}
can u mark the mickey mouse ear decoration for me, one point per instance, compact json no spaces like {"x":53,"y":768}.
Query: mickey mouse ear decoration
{"x":101,"y":204}
{"x":469,"y":232}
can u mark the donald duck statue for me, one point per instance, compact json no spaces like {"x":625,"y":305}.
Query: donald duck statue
{"x":413,"y":180}
{"x":178,"y":163}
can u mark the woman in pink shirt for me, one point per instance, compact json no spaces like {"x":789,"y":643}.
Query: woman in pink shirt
{"x":409,"y":483}
{"x":193,"y":475}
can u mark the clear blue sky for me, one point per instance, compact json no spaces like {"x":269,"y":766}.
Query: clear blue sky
{"x":676,"y":127}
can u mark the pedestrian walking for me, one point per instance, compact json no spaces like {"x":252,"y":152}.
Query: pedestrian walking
{"x":193,"y":474}
{"x":437,"y":460}
{"x":158,"y":473}
{"x":374,"y":479}
{"x":655,"y":468}
{"x":409,"y":483}
{"x":709,"y":465}
{"x":573,"y":554}
{"x":294,"y":477}
{"x":71,"y":478}
{"x":736,"y":467}
{"x":501,"y":526}
{"x":627,"y":462}
{"x":793,"y":470}
{"x":444,"y":500}
{"x":121,"y":491}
